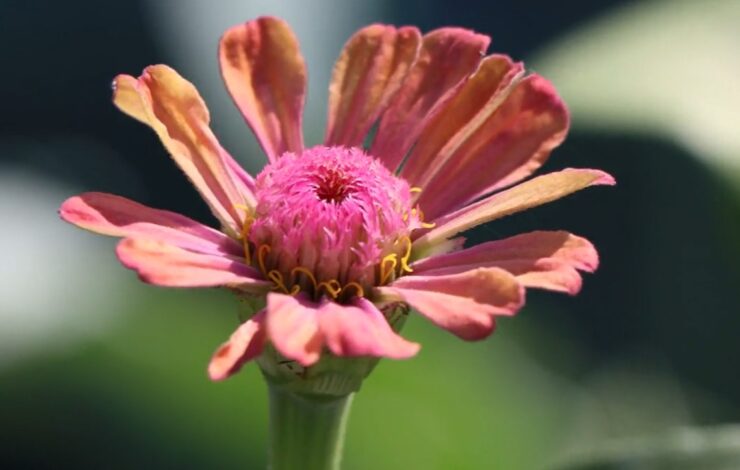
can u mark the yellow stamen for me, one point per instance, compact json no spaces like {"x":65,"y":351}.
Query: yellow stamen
{"x":245,"y":239}
{"x":307,"y":273}
{"x":415,"y":190}
{"x":360,"y":290}
{"x":385,"y":273}
{"x":261,"y":253}
{"x":245,"y":244}
{"x":332,"y":287}
{"x":405,"y":258}
{"x":421,"y":220}
{"x":244,"y":234}
{"x":277,"y":278}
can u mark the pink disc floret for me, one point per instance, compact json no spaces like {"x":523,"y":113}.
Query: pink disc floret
{"x":335,"y":212}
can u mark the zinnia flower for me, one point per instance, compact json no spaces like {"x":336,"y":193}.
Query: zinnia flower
{"x":426,"y":138}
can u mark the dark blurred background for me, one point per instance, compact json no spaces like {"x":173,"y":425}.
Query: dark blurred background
{"x":99,"y":371}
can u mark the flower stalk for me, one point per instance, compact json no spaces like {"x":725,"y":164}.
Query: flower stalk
{"x":306,"y":431}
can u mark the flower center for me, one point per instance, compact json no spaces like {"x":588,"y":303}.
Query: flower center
{"x":333,"y":185}
{"x":330,"y":221}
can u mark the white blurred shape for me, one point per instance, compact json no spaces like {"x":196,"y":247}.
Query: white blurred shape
{"x":57,"y":284}
{"x":666,"y":67}
{"x":190,"y":30}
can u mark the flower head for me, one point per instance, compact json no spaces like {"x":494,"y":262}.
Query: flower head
{"x":331,"y":221}
{"x":336,"y":239}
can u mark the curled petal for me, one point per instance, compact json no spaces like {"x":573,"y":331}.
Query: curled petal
{"x":545,"y":273}
{"x":463,"y":303}
{"x":446,"y":58}
{"x":117,"y":216}
{"x":461,"y":316}
{"x":496,"y":150}
{"x":532,"y":193}
{"x":542,"y":259}
{"x":300,"y":328}
{"x":128,"y":98}
{"x":293,"y":327}
{"x":245,"y":344}
{"x":166,"y":265}
{"x":172,"y":107}
{"x":366,"y":76}
{"x":265,"y":74}
{"x":361,"y":330}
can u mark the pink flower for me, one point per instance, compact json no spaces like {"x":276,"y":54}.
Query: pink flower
{"x":332,"y":236}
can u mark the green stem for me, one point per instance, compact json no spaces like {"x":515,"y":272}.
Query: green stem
{"x":306,"y":432}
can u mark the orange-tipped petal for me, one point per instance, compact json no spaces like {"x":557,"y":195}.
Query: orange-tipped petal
{"x":245,"y":344}
{"x":128,"y":98}
{"x":447,"y":57}
{"x":506,"y":147}
{"x":479,"y":97}
{"x":172,"y":107}
{"x":547,"y":273}
{"x":293,"y":327}
{"x":463,"y":303}
{"x":532,"y":193}
{"x":367,"y":74}
{"x":166,"y":265}
{"x":265,"y":74}
{"x":563,"y":246}
{"x":361,"y":330}
{"x":542,"y":259}
{"x":117,"y":216}
{"x":544,"y":273}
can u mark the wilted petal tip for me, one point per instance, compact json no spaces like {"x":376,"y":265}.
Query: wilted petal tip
{"x":603,"y":179}
{"x":245,"y":344}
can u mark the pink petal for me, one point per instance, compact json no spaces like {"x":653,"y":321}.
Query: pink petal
{"x":545,"y":260}
{"x":535,"y":192}
{"x":563,"y":246}
{"x":545,"y":273}
{"x":117,"y":216}
{"x":464,"y":303}
{"x":264,"y":71}
{"x":447,"y":57}
{"x":172,"y":107}
{"x":293,"y":327}
{"x":162,"y":264}
{"x":479,"y":97}
{"x":361,"y":330}
{"x":245,"y":344}
{"x":497,"y":150}
{"x":491,"y":286}
{"x":367,"y":75}
{"x":460,"y":316}
{"x":242,"y":177}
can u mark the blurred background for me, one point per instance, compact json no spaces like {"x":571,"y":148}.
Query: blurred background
{"x":639,"y":371}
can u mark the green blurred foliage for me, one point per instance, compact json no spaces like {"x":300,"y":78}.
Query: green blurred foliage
{"x":144,"y":387}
